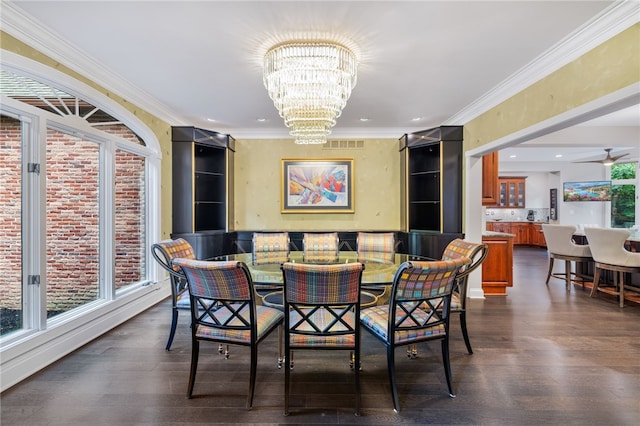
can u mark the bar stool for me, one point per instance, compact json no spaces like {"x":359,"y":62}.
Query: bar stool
{"x":609,"y":253}
{"x":561,"y":246}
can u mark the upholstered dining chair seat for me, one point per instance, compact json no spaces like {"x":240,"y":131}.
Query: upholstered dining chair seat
{"x":377,"y":320}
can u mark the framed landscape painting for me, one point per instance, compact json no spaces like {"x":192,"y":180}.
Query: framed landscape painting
{"x":317,"y":186}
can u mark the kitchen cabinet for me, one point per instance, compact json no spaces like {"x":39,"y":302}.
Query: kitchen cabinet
{"x":497,"y":268}
{"x":504,"y":227}
{"x":490,"y":179}
{"x":536,"y":237}
{"x":511,"y":193}
{"x":431,"y":162}
{"x":524,"y":233}
{"x":521,"y":232}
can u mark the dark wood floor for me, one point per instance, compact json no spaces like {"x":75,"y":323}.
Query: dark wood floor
{"x":542,"y":356}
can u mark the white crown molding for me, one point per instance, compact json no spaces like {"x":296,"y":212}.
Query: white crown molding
{"x":611,"y":22}
{"x":30,"y":31}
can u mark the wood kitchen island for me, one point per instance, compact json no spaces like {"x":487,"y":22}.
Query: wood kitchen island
{"x":497,"y":268}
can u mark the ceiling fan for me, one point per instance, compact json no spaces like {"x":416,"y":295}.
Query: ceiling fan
{"x":607,"y":161}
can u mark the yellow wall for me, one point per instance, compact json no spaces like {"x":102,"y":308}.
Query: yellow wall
{"x":611,"y":66}
{"x":258,"y":178}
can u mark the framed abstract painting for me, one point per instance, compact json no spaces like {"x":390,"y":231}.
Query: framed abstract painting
{"x":317,"y":186}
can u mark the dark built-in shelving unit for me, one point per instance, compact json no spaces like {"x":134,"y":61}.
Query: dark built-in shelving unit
{"x":202,"y":180}
{"x":432,"y":166}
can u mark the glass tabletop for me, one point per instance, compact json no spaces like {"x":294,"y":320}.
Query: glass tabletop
{"x":377,"y":270}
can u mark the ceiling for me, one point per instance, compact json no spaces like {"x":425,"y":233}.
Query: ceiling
{"x":422,"y":63}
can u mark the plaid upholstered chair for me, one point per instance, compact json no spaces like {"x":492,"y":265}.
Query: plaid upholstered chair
{"x":270,"y":247}
{"x":418,"y":311}
{"x":376,"y":246}
{"x":224,"y":310}
{"x":457,"y":249}
{"x":320,"y":248}
{"x":322,"y":308}
{"x":165,"y":252}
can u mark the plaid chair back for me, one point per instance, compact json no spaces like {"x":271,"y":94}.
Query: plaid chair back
{"x":322,"y":303}
{"x":172,"y":249}
{"x":165,"y":252}
{"x":376,"y":246}
{"x":221,"y":298}
{"x":320,"y":247}
{"x":459,"y":248}
{"x":270,"y":247}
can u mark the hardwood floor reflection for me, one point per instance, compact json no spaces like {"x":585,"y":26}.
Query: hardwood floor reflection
{"x":542,"y":355}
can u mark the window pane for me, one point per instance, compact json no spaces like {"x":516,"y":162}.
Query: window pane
{"x":129,"y":219}
{"x":623,"y":206}
{"x":72,"y":222}
{"x":10,"y":225}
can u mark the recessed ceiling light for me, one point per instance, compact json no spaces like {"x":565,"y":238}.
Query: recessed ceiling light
{"x":512,"y":156}
{"x":558,"y":155}
{"x":261,"y":120}
{"x":211,"y":120}
{"x":364,"y":119}
{"x":416,"y":119}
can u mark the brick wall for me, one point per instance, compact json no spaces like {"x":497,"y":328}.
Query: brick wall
{"x":72,"y":224}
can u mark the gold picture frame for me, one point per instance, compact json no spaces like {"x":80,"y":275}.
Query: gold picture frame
{"x":317,"y":186}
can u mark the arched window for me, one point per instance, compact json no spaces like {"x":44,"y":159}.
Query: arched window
{"x":80,"y":182}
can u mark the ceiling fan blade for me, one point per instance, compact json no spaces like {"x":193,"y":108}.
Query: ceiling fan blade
{"x":618,"y":157}
{"x":589,"y":161}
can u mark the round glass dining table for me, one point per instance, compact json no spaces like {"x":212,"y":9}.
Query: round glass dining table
{"x":377,"y":276}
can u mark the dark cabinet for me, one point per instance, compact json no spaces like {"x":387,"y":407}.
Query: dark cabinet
{"x":432,"y":165}
{"x":202,"y":184}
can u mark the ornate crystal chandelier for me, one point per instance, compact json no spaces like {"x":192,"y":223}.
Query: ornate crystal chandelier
{"x":309,"y":83}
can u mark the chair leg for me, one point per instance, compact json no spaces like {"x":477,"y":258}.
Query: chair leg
{"x":550,"y":270}
{"x":567,"y":274}
{"x":172,"y":333}
{"x":195,"y":349}
{"x":287,"y":374}
{"x":465,"y":334}
{"x":392,"y":377}
{"x":447,"y":365}
{"x":280,"y":355}
{"x":356,"y":362}
{"x":252,"y":374}
{"x":621,"y":290}
{"x":596,"y":282}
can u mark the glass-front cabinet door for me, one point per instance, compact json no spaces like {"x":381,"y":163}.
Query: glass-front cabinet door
{"x":512,"y":192}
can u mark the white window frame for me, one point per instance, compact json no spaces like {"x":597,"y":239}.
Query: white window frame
{"x":24,"y":352}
